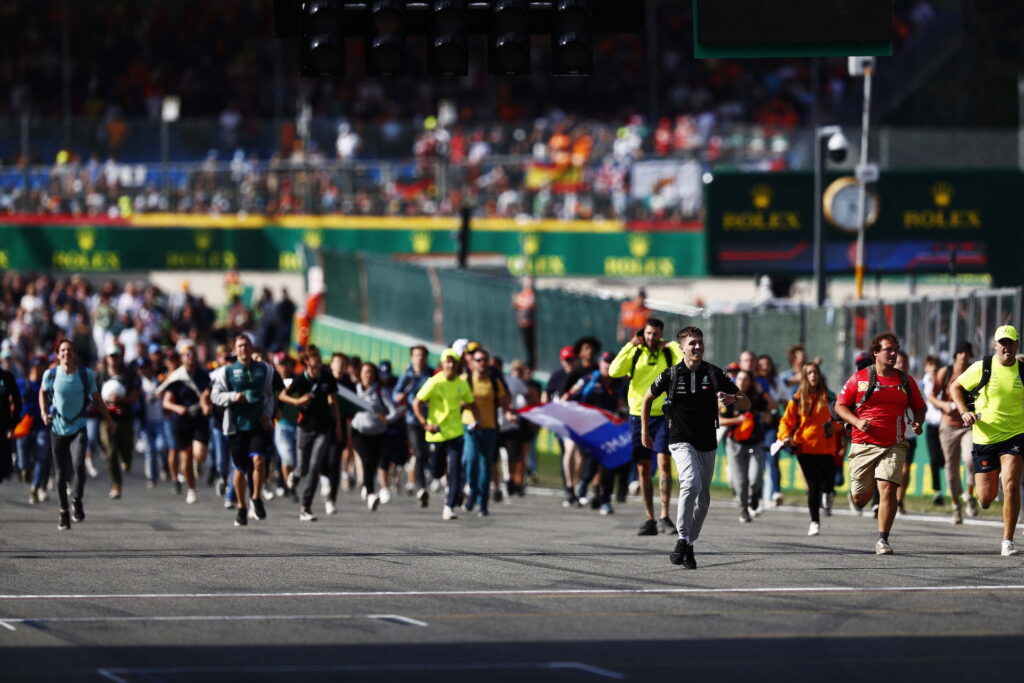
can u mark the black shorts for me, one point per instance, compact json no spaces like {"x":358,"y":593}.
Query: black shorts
{"x":189,"y":429}
{"x":244,"y":446}
{"x":987,"y":455}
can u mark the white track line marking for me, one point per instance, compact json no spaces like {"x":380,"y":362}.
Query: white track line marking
{"x":7,"y":625}
{"x":200,"y":617}
{"x":397,"y":617}
{"x":524,"y":592}
{"x":115,"y":674}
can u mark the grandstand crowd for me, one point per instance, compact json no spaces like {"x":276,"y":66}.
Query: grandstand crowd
{"x":160,"y":368}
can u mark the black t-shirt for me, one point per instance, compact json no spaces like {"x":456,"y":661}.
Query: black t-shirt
{"x":121,"y":412}
{"x":576,"y":379}
{"x":556,"y":383}
{"x":183,"y":395}
{"x":694,"y":407}
{"x":315,"y":415}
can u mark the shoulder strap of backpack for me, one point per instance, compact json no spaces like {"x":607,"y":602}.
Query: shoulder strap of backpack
{"x":905,"y":382}
{"x":872,"y":384}
{"x":667,"y":353}
{"x":83,"y":376}
{"x":636,"y":359}
{"x":986,"y":374}
{"x":673,"y":377}
{"x":947,"y":372}
{"x":48,"y":379}
{"x":712,"y":371}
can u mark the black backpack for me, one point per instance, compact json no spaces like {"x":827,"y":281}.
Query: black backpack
{"x":639,"y":350}
{"x":986,"y":375}
{"x":872,"y":385}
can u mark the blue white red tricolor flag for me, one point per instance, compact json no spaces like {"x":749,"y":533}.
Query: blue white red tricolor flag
{"x":604,"y":435}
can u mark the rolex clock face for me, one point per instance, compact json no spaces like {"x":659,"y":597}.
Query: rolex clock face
{"x":840,"y":205}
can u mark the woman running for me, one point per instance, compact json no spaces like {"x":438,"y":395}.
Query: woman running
{"x":808,"y":428}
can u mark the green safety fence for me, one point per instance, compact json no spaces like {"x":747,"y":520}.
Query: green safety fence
{"x":374,"y":345}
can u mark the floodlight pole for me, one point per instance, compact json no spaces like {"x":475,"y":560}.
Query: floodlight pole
{"x":821,"y":136}
{"x":862,"y":187}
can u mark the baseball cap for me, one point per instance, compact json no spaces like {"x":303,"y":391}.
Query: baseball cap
{"x":113,"y":349}
{"x":458,"y":346}
{"x":153,"y":348}
{"x":607,"y":356}
{"x":566,"y":353}
{"x":451,"y":353}
{"x":1006,"y":332}
{"x":964,"y":347}
{"x":473,"y":346}
{"x":385,"y":369}
{"x":732,"y":366}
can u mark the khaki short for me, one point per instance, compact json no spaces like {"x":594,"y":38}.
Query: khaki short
{"x":868,"y":463}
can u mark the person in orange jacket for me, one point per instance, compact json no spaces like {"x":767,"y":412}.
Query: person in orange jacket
{"x":808,"y":428}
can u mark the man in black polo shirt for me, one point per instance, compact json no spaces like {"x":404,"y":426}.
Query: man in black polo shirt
{"x":313,"y":392}
{"x":695,"y":389}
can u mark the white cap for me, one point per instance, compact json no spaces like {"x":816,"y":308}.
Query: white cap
{"x":460,"y":345}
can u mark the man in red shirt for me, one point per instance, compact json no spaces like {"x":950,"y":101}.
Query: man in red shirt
{"x":878,"y":415}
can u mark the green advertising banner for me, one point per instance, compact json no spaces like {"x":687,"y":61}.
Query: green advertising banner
{"x":110,"y":248}
{"x":925,"y":220}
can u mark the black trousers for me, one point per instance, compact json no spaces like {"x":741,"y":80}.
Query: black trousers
{"x":819,"y":473}
{"x":69,"y":454}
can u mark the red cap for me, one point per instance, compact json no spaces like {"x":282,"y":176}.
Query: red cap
{"x":566,"y":353}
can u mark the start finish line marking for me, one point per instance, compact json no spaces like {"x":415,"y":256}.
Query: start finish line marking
{"x":523,"y":593}
{"x":119,"y":675}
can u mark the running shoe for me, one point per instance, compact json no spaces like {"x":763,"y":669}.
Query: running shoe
{"x":900,"y":509}
{"x":570,"y":499}
{"x":41,"y":495}
{"x":268,"y":495}
{"x":91,"y":468}
{"x":972,"y":505}
{"x":151,"y":483}
{"x":228,"y":504}
{"x":814,"y":529}
{"x":937,"y":499}
{"x":423,"y":496}
{"x":259,"y":511}
{"x":745,"y":516}
{"x":325,"y":486}
{"x":32,"y":496}
{"x":372,"y":502}
{"x":222,"y":487}
{"x":177,"y":487}
{"x":595,"y":502}
{"x":292,"y":479}
{"x":777,"y":500}
{"x":606,"y":509}
{"x":1008,"y":548}
{"x":678,"y":556}
{"x":827,"y":500}
{"x":648,"y":528}
{"x":64,"y":520}
{"x":330,"y":508}
{"x":115,"y":491}
{"x":306,"y":516}
{"x":483,"y":513}
{"x":689,"y":562}
{"x":667,"y":526}
{"x":634,"y":488}
{"x":447,"y":513}
{"x":874,"y":510}
{"x":882,"y":547}
{"x":190,"y":497}
{"x":958,"y":516}
{"x":435,"y":485}
{"x":498,"y":495}
{"x":77,"y":511}
{"x":363,"y":493}
{"x":385,"y":495}
{"x":241,"y":517}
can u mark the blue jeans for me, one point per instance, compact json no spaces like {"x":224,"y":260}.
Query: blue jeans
{"x":773,"y":482}
{"x":34,"y":454}
{"x":286,"y":442}
{"x":479,"y":447}
{"x":92,"y":435}
{"x":446,"y":456}
{"x":156,"y":448}
{"x":219,"y":449}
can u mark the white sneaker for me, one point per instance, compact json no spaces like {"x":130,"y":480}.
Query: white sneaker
{"x":362,"y":493}
{"x":325,"y":487}
{"x":91,"y":468}
{"x":306,"y":516}
{"x":448,"y":514}
{"x":190,"y":497}
{"x":744,"y":516}
{"x":423,"y":497}
{"x":268,"y":495}
{"x":292,"y":479}
{"x":777,"y":500}
{"x":228,"y":505}
{"x":973,"y":509}
{"x":882,"y":547}
{"x":1008,"y":548}
{"x":814,"y":529}
{"x":372,"y":502}
{"x":330,"y":508}
{"x":385,"y":496}
{"x":634,"y":488}
{"x":435,"y":486}
{"x":41,"y":495}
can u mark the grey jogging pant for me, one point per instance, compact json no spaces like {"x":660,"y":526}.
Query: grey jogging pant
{"x":696,"y":469}
{"x":312,"y":448}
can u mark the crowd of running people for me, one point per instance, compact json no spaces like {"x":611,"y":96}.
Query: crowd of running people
{"x":259,"y":425}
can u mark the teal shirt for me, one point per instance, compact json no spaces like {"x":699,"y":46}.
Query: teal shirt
{"x":69,"y":397}
{"x":252,"y":381}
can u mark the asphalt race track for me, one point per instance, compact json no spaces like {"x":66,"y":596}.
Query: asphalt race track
{"x":150,"y":589}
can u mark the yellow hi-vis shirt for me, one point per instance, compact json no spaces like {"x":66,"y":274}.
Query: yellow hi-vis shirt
{"x":1001,"y":402}
{"x":444,"y":399}
{"x":648,"y":366}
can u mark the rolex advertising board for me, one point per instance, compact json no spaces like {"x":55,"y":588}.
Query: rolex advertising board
{"x":918,"y":222}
